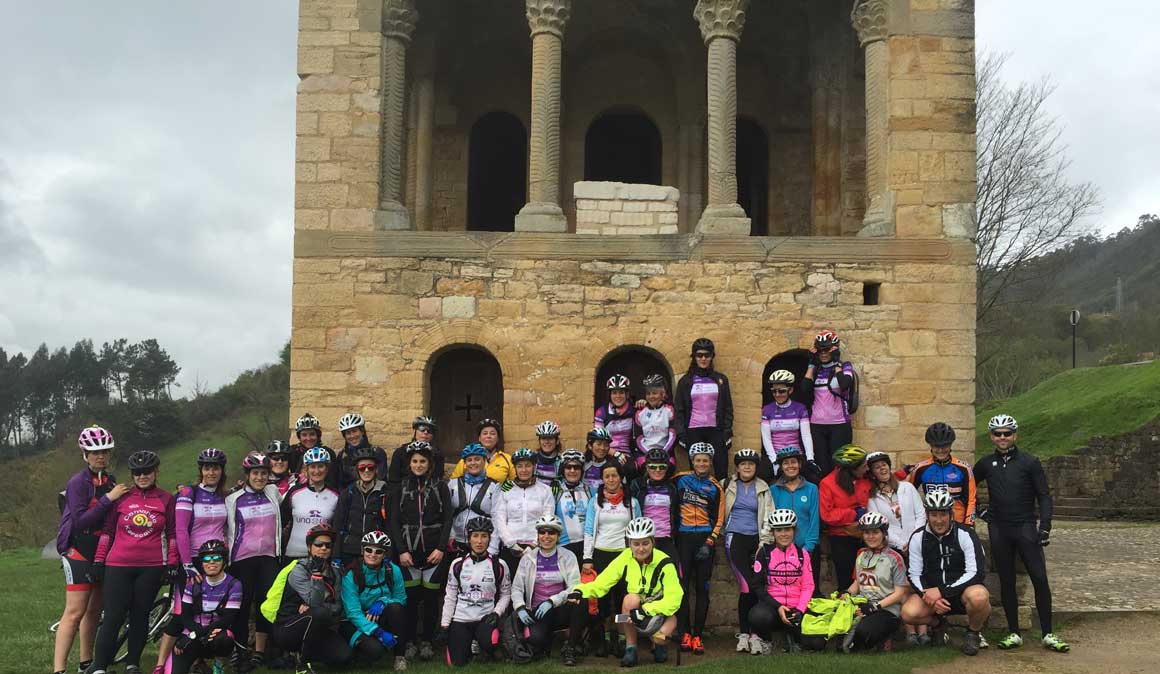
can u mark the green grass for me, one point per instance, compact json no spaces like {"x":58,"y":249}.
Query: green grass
{"x":1064,"y":412}
{"x":34,"y":597}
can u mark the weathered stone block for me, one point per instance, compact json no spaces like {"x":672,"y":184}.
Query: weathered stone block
{"x":458,"y":307}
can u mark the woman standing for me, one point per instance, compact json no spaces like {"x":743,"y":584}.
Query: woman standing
{"x":499,"y":465}
{"x":354,"y":434}
{"x":473,"y":494}
{"x":572,"y":496}
{"x":422,"y":430}
{"x":703,"y":407}
{"x":136,"y":552}
{"x":609,"y":513}
{"x":548,"y":454}
{"x":281,"y":473}
{"x":793,"y":492}
{"x":702,"y":516}
{"x":308,"y":504}
{"x":519,"y":504}
{"x":898,"y":502}
{"x":598,"y":455}
{"x":373,"y":597}
{"x":830,"y":381}
{"x":843,"y":495}
{"x":654,"y":495}
{"x":616,"y":416}
{"x":747,"y":502}
{"x":362,"y":505}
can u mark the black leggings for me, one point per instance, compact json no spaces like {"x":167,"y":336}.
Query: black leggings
{"x":739,"y":549}
{"x":256,"y":574}
{"x":1023,"y":540}
{"x":571,"y":616}
{"x":460,"y":636}
{"x":695,"y":577}
{"x":316,"y":636}
{"x":844,"y":553}
{"x":423,"y":619}
{"x":827,"y":439}
{"x":127,"y":592}
{"x":610,"y":603}
{"x":219,"y":647}
{"x":874,"y":629}
{"x":715,"y":437}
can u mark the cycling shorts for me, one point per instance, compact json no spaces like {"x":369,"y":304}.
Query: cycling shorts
{"x":76,"y":572}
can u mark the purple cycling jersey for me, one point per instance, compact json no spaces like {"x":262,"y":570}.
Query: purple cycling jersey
{"x":85,"y":507}
{"x":201,"y":516}
{"x":549,"y":579}
{"x":829,"y":405}
{"x":656,"y":504}
{"x":619,"y":424}
{"x":704,"y":392}
{"x":256,"y":527}
{"x":785,"y":423}
{"x":224,"y":595}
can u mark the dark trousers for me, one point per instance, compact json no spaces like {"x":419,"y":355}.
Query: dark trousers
{"x":424,"y":604}
{"x":565,"y":616}
{"x":1023,"y":540}
{"x":764,"y":620}
{"x":715,"y":437}
{"x":827,"y":439}
{"x":127,"y":594}
{"x":739,"y":549}
{"x":393,"y":619}
{"x":256,"y":574}
{"x":875,"y":629}
{"x":460,"y":636}
{"x":315,"y":636}
{"x":219,"y":647}
{"x":695,"y":577}
{"x":844,"y":553}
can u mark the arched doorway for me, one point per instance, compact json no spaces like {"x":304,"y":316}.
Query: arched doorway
{"x":466,"y":385}
{"x":623,"y":147}
{"x":794,"y":360}
{"x":497,"y":172}
{"x":636,"y":363}
{"x":753,"y":174}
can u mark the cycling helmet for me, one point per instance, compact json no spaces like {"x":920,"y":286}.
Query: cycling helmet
{"x":211,"y":456}
{"x":213,"y":546}
{"x":782,"y":377}
{"x":790,"y":452}
{"x":657,"y":455}
{"x":259,"y":460}
{"x":548,"y":522}
{"x":485,"y":423}
{"x":826,"y":338}
{"x":350,"y":420}
{"x":316,"y":455}
{"x":322,"y":529}
{"x":479,"y":524}
{"x":277,"y":448}
{"x":376,"y":538}
{"x":523,"y":454}
{"x":782,"y":518}
{"x":424,"y":421}
{"x":617,"y":382}
{"x":363,"y":453}
{"x":572,"y":456}
{"x":701,"y":448}
{"x":641,"y":527}
{"x":849,"y":455}
{"x":144,"y":459}
{"x":648,"y":625}
{"x":599,"y":434}
{"x":871,"y":521}
{"x":306,"y":422}
{"x":746,"y":455}
{"x":547,"y":429}
{"x":95,"y":439}
{"x":1003,"y":421}
{"x":473,"y":449}
{"x":703,"y":344}
{"x":940,"y":434}
{"x":938,"y":500}
{"x":878,"y":456}
{"x":420,"y":447}
{"x":654,"y":381}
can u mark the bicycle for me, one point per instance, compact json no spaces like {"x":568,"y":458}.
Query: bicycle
{"x":159,"y":615}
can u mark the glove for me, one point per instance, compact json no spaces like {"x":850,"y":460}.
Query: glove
{"x":440,"y":637}
{"x":315,"y":564}
{"x":1045,"y":538}
{"x":813,"y":362}
{"x":97,"y":572}
{"x":336,"y":563}
{"x":728,"y":443}
{"x":174,"y":573}
{"x":191,"y":571}
{"x":185,"y":641}
{"x":870,"y":607}
{"x":575,"y":595}
{"x":542,"y":609}
{"x":385,"y":638}
{"x":859,"y":512}
{"x":703,"y":552}
{"x":813,"y":467}
{"x":490,"y":620}
{"x":376,"y":609}
{"x":639,"y":615}
{"x":525,"y":616}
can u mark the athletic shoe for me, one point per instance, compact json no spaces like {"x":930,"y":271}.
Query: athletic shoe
{"x":426,"y":653}
{"x":912,"y":639}
{"x":757,"y":645}
{"x":698,"y":647}
{"x":687,"y":642}
{"x":791,"y":644}
{"x":400,"y":664}
{"x":983,"y":641}
{"x":257,"y":660}
{"x":569,"y":655}
{"x":1012,"y":640}
{"x":1052,"y":642}
{"x":742,"y":642}
{"x":660,"y":653}
{"x":848,"y":641}
{"x":82,"y":666}
{"x":924,"y":639}
{"x":159,"y":669}
{"x":411,"y":651}
{"x":132,"y":669}
{"x":971,"y":643}
{"x":629,"y":658}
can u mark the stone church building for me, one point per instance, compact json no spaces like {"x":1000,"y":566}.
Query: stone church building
{"x":500,"y":202}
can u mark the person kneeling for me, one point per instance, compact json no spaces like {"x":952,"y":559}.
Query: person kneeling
{"x":947,"y":567}
{"x":880,"y":578}
{"x":653,"y":586}
{"x":540,"y":591}
{"x":783,"y":583}
{"x":208,"y":607}
{"x":373,"y":596}
{"x":479,"y":590}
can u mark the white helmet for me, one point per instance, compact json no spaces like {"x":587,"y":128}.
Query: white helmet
{"x":701,"y":448}
{"x":616,"y":382}
{"x":547,"y":429}
{"x":348,"y":421}
{"x":872,"y":520}
{"x":376,"y":538}
{"x":549,"y":522}
{"x":938,"y":500}
{"x":641,"y":527}
{"x":782,"y":518}
{"x":781,"y":377}
{"x":1003,"y":421}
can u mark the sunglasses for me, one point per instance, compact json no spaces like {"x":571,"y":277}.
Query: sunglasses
{"x":702,"y":355}
{"x":211,"y":558}
{"x":573,"y":466}
{"x":424,"y":429}
{"x":547,"y":531}
{"x":367,"y":469}
{"x":997,"y":434}
{"x":277,"y":458}
{"x":375,"y":551}
{"x":781,"y":390}
{"x":658,"y":466}
{"x":138,"y":472}
{"x":323,"y":544}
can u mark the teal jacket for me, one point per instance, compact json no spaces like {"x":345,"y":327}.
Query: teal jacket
{"x":804,"y":502}
{"x":356,"y":603}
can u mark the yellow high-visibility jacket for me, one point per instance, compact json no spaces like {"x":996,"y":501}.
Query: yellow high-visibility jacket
{"x":656,"y":582}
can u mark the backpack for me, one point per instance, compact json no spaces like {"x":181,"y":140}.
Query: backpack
{"x":476,"y":504}
{"x":513,"y":638}
{"x":496,"y":569}
{"x":198,"y":609}
{"x":360,"y":577}
{"x":851,"y":396}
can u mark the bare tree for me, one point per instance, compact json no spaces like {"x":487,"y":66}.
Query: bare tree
{"x":1027,"y":206}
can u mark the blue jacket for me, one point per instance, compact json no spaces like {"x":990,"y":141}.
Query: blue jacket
{"x":356,"y":603}
{"x":804,"y":502}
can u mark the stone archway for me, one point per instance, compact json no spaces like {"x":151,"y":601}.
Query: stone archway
{"x":634,"y":362}
{"x":753,"y":174}
{"x":794,"y":360}
{"x":497,"y":172}
{"x":623,"y":146}
{"x":466,"y":385}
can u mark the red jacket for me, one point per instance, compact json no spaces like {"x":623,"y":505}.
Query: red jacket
{"x":837,"y":507}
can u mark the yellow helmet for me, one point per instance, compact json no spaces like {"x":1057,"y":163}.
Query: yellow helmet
{"x":849,"y":455}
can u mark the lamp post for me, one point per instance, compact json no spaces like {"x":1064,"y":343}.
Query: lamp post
{"x":1074,"y":320}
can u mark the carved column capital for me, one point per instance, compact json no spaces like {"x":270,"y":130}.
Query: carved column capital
{"x":869,"y":19}
{"x":399,"y":19}
{"x":720,"y":18}
{"x":548,"y":16}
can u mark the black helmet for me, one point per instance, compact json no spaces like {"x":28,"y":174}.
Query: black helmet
{"x":322,"y":529}
{"x":940,"y":434}
{"x":277,"y":448}
{"x":212,"y":547}
{"x":657,"y":455}
{"x":424,"y":421}
{"x":364,"y":452}
{"x":703,"y":344}
{"x":144,"y":459}
{"x":479,"y":524}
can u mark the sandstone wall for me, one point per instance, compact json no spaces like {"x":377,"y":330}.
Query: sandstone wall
{"x":619,"y":208}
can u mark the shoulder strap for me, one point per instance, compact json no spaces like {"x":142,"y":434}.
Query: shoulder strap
{"x":656,"y":575}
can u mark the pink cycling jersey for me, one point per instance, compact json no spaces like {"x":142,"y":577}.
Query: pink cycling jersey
{"x":139,"y":530}
{"x":829,"y":405}
{"x":618,"y":422}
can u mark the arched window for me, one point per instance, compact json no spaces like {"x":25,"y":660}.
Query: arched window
{"x":497,"y":172}
{"x":753,"y":174}
{"x":623,"y":147}
{"x":636,"y":363}
{"x":466,"y":385}
{"x":794,"y":360}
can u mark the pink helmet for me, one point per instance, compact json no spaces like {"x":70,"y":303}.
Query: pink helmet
{"x":95,"y":439}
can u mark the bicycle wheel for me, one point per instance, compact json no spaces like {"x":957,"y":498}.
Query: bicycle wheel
{"x":159,"y":616}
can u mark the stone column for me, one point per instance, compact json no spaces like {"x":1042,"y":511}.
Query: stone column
{"x":826,"y":63}
{"x":542,"y":213}
{"x":424,"y":132}
{"x":399,"y":20}
{"x":721,"y":23}
{"x":869,"y":18}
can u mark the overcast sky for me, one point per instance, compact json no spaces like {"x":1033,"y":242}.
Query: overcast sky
{"x":146,"y":160}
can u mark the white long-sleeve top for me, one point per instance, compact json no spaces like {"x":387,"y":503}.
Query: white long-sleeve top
{"x":516,"y":510}
{"x":903,"y":510}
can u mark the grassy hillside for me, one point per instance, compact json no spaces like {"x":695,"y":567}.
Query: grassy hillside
{"x":1063,"y":412}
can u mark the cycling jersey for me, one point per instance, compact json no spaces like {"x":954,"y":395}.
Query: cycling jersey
{"x":284,"y":483}
{"x":654,"y":430}
{"x":253,"y":523}
{"x":139,"y":530}
{"x":786,"y":426}
{"x":517,"y":509}
{"x":951,"y":562}
{"x":304,"y":508}
{"x":704,"y":393}
{"x":1015,"y":482}
{"x":702,"y":509}
{"x":954,"y":477}
{"x":473,"y":591}
{"x":784,"y":575}
{"x":572,"y":508}
{"x":683,"y":403}
{"x":605,"y":523}
{"x":209,"y":605}
{"x":878,"y":573}
{"x":593,"y":467}
{"x":470,"y":500}
{"x":803,"y":500}
{"x":85,"y":507}
{"x":200,"y":516}
{"x":830,"y":380}
{"x":547,"y":467}
{"x":659,"y":502}
{"x":619,"y":424}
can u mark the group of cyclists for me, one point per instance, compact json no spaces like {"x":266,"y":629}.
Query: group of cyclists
{"x":350,"y":554}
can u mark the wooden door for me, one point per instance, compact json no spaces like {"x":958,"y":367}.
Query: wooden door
{"x":636,"y":364}
{"x":466,"y":387}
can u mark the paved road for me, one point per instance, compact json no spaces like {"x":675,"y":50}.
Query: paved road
{"x":1104,"y":566}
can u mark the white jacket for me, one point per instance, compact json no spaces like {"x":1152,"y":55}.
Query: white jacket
{"x":516,"y":510}
{"x":911,"y":514}
{"x":524,"y":585}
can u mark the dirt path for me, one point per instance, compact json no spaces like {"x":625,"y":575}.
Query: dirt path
{"x":1123,"y":644}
